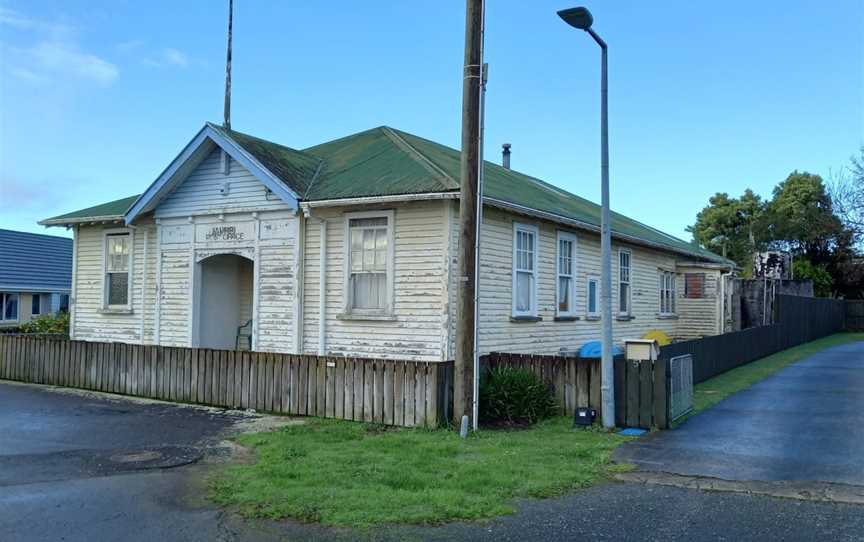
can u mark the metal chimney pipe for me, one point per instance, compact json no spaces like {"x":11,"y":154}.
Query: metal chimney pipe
{"x":505,"y":155}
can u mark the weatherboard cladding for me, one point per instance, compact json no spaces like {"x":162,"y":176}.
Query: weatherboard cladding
{"x":34,"y":262}
{"x":200,"y":192}
{"x":384,"y":161}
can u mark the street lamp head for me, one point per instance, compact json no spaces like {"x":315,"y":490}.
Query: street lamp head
{"x":577,"y":17}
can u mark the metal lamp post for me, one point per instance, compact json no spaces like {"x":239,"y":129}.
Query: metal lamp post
{"x":581,"y":18}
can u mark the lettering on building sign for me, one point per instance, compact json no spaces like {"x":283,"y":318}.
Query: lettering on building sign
{"x":231,"y":232}
{"x":224,"y":233}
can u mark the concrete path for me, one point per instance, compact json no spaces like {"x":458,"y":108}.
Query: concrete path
{"x":805,"y":423}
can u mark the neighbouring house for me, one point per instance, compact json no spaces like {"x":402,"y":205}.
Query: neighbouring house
{"x":35,"y":276}
{"x":349,"y":248}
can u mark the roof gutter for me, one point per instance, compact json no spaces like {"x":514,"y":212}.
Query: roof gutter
{"x":370,"y":200}
{"x":515,"y":207}
{"x":708,"y":265}
{"x":24,"y":288}
{"x":80,"y":220}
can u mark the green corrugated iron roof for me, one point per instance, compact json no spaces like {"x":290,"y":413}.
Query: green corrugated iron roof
{"x":384,"y":161}
{"x":517,"y":188}
{"x":111,"y":210}
{"x":294,"y":168}
{"x":376,"y":162}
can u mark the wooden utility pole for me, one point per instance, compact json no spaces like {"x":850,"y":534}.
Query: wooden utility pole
{"x":227,"y":122}
{"x":463,"y":396}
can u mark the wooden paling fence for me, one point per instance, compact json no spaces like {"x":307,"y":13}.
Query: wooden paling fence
{"x":575,"y":382}
{"x":390,"y":392}
{"x":641,"y":393}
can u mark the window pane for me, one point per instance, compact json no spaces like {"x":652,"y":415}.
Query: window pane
{"x":35,"y":304}
{"x":10,"y":311}
{"x":623,"y":297}
{"x":356,"y":240}
{"x":565,"y":257}
{"x":367,"y":222}
{"x":564,"y":294}
{"x":523,"y":291}
{"x":368,"y":250}
{"x":592,"y":296}
{"x":117,"y":253}
{"x":118,"y":288}
{"x":369,"y":290}
{"x":381,"y":250}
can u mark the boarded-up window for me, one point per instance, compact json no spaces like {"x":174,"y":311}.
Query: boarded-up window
{"x":694,"y":285}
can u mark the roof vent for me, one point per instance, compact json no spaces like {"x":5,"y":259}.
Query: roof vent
{"x":505,"y":155}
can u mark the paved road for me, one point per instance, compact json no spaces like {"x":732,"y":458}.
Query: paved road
{"x":79,"y":468}
{"x":804,"y":423}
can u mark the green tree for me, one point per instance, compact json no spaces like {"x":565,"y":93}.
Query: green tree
{"x":800,"y":218}
{"x":731,"y":227}
{"x":823,"y":283}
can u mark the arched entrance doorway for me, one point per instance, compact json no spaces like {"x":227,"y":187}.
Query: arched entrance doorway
{"x":224,"y":301}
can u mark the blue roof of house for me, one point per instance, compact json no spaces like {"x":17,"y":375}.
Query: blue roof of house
{"x":35,"y":262}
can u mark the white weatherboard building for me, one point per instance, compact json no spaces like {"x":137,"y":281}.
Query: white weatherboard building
{"x":349,"y":248}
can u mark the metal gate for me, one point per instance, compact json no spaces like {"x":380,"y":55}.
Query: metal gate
{"x":681,"y":386}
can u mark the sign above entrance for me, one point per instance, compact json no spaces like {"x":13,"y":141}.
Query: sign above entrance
{"x":233,"y":232}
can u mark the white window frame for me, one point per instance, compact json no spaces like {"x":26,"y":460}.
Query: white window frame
{"x":667,"y":285}
{"x":571,"y":238}
{"x":596,"y":312}
{"x":346,"y":283}
{"x":629,"y":282}
{"x":535,"y":231}
{"x":3,"y":297}
{"x":105,"y":235}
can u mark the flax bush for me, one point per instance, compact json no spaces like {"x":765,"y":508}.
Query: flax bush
{"x":514,"y":396}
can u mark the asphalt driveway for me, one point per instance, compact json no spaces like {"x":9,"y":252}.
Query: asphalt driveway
{"x":89,"y":467}
{"x":805,"y":423}
{"x":80,"y":468}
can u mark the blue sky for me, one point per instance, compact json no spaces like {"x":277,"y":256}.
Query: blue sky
{"x":97,"y":97}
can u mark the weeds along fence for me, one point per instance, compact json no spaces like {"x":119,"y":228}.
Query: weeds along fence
{"x":390,"y":392}
{"x":799,"y":320}
{"x":574,"y":381}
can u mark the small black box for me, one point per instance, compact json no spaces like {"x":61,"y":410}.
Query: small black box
{"x":584,"y":416}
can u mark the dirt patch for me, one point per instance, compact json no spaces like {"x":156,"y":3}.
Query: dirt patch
{"x":253,"y":422}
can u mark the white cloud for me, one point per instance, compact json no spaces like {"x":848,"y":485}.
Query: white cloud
{"x":20,"y":21}
{"x":54,"y":55}
{"x":25,"y":75}
{"x":176,"y":57}
{"x":130,"y":45}
{"x":168,"y":57}
{"x":61,"y":58}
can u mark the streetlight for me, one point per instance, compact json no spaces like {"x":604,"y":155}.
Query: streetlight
{"x":581,"y":18}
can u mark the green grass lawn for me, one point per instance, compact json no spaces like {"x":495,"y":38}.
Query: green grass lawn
{"x":711,"y":392}
{"x":352,"y":474}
